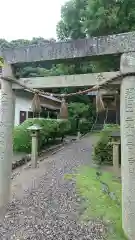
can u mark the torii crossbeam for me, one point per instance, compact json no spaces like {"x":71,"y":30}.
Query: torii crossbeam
{"x":81,"y":48}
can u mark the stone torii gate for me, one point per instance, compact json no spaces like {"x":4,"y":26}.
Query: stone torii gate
{"x":116,"y":44}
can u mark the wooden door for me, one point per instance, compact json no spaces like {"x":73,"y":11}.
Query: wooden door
{"x":22,"y":116}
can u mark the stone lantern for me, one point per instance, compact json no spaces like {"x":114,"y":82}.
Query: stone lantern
{"x":34,"y":131}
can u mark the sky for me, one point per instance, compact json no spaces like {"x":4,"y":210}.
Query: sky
{"x":24,"y":19}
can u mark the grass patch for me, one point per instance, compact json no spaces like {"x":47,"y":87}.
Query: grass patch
{"x":99,"y":204}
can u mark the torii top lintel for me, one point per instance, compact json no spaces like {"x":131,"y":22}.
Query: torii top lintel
{"x":94,"y":46}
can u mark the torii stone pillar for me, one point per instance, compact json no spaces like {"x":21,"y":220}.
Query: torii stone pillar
{"x":127,"y":108}
{"x":6,"y":130}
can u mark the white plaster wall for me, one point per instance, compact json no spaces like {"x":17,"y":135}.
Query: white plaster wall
{"x":21,"y":104}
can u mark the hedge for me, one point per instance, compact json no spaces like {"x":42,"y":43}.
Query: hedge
{"x":83,"y":126}
{"x":51,"y":129}
{"x":103,"y":150}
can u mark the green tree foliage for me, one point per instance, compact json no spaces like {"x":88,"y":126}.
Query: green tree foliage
{"x":97,"y":18}
{"x":24,"y":42}
{"x":71,"y":24}
{"x":83,"y":18}
{"x":80,"y":110}
{"x":81,"y":116}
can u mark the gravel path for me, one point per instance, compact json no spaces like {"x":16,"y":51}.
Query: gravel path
{"x":44,"y":205}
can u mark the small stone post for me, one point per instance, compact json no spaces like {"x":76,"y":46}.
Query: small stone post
{"x":78,"y":127}
{"x":116,"y":157}
{"x":127,"y":112}
{"x":48,"y":114}
{"x":34,"y":131}
{"x":7,"y":109}
{"x":78,"y":135}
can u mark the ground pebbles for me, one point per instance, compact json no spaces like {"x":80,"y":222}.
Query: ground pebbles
{"x":49,"y":208}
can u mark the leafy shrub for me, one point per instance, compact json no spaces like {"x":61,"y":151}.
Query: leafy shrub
{"x":73,"y":130}
{"x":103,"y":150}
{"x":84,"y":126}
{"x":50,"y":129}
{"x":80,"y":112}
